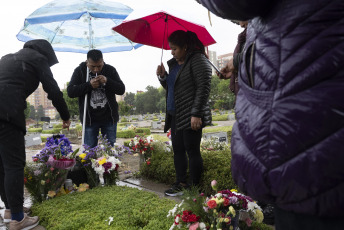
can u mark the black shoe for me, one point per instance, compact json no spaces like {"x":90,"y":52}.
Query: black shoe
{"x":175,"y":190}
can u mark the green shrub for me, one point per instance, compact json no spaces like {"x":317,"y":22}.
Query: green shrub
{"x":35,"y":130}
{"x":155,"y":119}
{"x":145,"y":131}
{"x":44,"y":139}
{"x":52,"y":131}
{"x":125,"y":133}
{"x":223,"y":117}
{"x":58,"y":126}
{"x":130,"y":209}
{"x":217,"y":166}
{"x":123,"y":119}
{"x":158,"y":137}
{"x":126,"y":143}
{"x":120,"y":124}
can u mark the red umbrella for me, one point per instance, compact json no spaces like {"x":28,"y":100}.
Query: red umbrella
{"x":154,"y":29}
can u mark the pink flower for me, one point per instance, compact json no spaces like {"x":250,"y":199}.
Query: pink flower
{"x":248,"y":222}
{"x":194,"y":226}
{"x":214,"y":184}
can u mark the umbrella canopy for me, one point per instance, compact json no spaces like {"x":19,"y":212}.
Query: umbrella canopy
{"x":78,"y":26}
{"x":154,"y":29}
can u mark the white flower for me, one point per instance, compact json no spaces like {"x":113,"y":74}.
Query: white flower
{"x":202,"y":226}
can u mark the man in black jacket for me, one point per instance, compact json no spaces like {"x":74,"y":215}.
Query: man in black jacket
{"x":102,"y":108}
{"x":20,"y":74}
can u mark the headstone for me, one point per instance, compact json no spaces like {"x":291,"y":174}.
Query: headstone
{"x":47,"y":126}
{"x":231,"y":116}
{"x":220,"y":136}
{"x":156,"y":125}
{"x":140,"y":118}
{"x":33,"y":139}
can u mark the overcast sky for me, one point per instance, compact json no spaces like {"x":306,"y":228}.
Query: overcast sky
{"x":136,"y":67}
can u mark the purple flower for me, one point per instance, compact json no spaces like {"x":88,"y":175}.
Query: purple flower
{"x":107,"y":166}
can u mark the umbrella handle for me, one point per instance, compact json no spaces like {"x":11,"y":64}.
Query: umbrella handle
{"x":85,"y":110}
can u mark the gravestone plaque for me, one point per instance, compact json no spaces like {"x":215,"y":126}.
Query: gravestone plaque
{"x":33,"y":139}
{"x":231,"y":117}
{"x":156,"y":125}
{"x":220,"y":136}
{"x":140,"y":118}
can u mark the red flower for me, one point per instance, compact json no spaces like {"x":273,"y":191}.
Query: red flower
{"x":148,"y":162}
{"x":226,"y":202}
{"x":35,"y":159}
{"x":211,"y":204}
{"x":25,"y":180}
{"x":189,"y":217}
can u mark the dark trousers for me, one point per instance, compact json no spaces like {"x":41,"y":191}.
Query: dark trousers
{"x":12,"y":163}
{"x":286,"y":220}
{"x":187,"y":142}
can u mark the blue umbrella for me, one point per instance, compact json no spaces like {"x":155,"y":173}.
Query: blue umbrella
{"x":78,"y":26}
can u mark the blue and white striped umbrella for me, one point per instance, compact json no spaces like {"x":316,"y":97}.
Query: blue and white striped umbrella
{"x":78,"y":26}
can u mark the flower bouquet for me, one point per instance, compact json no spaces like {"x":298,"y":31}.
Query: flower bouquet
{"x":142,"y":145}
{"x":49,"y":168}
{"x":101,"y":162}
{"x":225,"y":210}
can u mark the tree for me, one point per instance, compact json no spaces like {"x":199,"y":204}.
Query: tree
{"x":32,"y":112}
{"x":27,"y":111}
{"x":123,"y":108}
{"x":72,"y":103}
{"x":220,"y":95}
{"x":40,"y":112}
{"x":129,"y":99}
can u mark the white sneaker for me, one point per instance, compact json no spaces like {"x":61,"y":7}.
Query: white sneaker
{"x":25,"y":224}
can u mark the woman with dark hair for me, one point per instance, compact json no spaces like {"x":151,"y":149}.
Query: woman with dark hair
{"x":187,"y":110}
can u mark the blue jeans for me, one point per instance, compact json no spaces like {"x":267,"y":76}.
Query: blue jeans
{"x":92,"y":131}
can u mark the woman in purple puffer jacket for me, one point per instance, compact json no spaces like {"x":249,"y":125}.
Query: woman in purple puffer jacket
{"x":288,"y":141}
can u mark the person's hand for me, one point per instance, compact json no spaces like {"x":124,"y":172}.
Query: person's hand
{"x":160,"y":71}
{"x":66,"y":124}
{"x":102,"y":79}
{"x":196,"y":123}
{"x":227,"y":71}
{"x":95,"y":83}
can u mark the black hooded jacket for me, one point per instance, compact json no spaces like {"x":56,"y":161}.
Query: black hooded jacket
{"x":78,"y":87}
{"x":20,"y":74}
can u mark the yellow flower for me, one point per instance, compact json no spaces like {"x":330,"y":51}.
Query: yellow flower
{"x":234,"y":190}
{"x":232,"y":210}
{"x":219,"y":201}
{"x":226,"y":220}
{"x":82,"y":156}
{"x":51,"y":194}
{"x":42,"y":182}
{"x":102,"y":161}
{"x":258,"y":216}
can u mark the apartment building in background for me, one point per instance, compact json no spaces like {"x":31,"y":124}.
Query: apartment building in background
{"x":213,"y":59}
{"x":223,"y":59}
{"x":40,"y":97}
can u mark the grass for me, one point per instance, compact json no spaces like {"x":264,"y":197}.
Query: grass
{"x":130,"y":209}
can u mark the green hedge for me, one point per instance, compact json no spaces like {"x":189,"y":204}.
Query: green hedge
{"x":44,"y":139}
{"x":57,"y":126}
{"x":217,"y":166}
{"x":145,"y":131}
{"x":35,"y":130}
{"x":223,"y":117}
{"x":125,"y":133}
{"x":52,"y":131}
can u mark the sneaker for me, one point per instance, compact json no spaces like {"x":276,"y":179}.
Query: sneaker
{"x":25,"y":224}
{"x":175,"y":190}
{"x":7,"y":216}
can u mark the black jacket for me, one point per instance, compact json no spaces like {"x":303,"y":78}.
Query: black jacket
{"x":78,"y":87}
{"x":191,"y":91}
{"x":20,"y":74}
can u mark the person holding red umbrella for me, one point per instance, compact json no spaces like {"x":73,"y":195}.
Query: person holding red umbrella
{"x":187,"y":110}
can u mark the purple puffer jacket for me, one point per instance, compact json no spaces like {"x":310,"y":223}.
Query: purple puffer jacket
{"x":288,"y":141}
